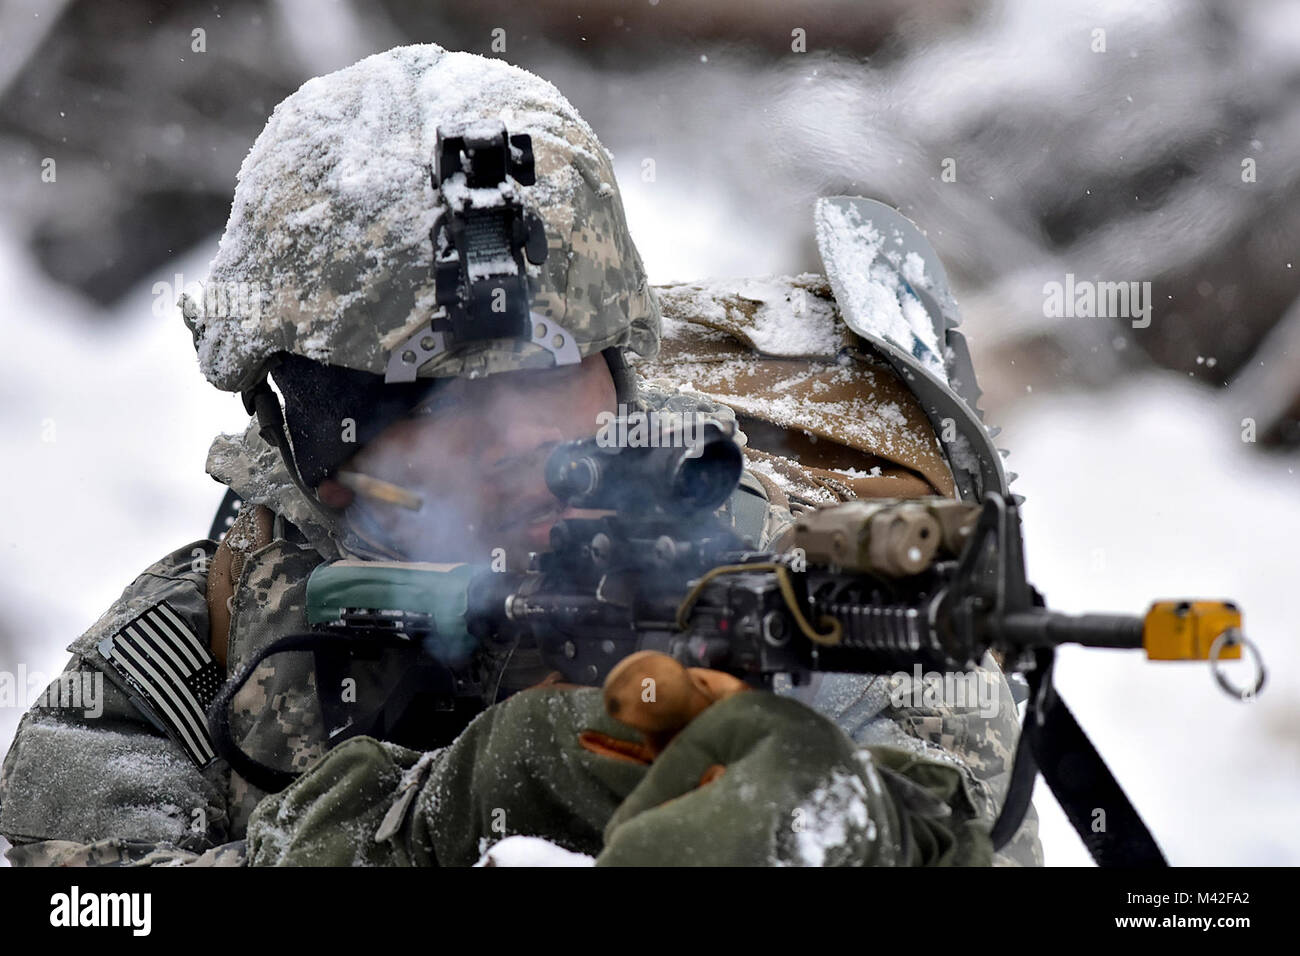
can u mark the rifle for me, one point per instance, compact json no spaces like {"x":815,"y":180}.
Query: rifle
{"x":867,"y":587}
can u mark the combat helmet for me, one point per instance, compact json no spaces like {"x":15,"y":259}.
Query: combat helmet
{"x":420,"y":215}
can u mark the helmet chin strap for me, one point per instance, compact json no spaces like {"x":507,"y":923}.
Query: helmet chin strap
{"x":624,"y":378}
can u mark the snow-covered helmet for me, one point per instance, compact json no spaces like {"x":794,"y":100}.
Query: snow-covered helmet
{"x":377,"y":243}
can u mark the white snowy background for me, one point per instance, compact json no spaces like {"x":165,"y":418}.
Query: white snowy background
{"x":1137,"y":490}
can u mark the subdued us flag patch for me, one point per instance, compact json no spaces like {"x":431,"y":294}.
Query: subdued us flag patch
{"x":170,"y":674}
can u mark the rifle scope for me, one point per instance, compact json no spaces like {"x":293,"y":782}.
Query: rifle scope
{"x":686,"y":471}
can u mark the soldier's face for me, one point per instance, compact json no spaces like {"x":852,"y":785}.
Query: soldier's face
{"x":476,"y":456}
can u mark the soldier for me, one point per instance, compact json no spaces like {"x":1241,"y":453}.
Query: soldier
{"x":426,"y":369}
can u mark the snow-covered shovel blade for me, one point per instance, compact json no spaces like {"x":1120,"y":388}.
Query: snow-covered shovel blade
{"x":892,"y":291}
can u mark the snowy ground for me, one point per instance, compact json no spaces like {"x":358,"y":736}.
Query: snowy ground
{"x":1141,"y":493}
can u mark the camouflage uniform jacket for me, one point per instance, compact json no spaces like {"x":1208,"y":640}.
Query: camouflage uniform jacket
{"x":115,"y":790}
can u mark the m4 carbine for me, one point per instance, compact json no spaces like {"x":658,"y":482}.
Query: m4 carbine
{"x":866,"y":587}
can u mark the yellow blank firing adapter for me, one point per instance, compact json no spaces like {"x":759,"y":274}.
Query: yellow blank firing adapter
{"x":1201,"y":631}
{"x":1186,"y":630}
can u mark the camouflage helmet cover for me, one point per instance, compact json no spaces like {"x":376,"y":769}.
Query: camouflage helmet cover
{"x":327,"y":253}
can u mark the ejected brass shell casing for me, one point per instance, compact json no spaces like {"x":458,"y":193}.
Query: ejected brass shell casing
{"x":889,"y":536}
{"x":379,"y":490}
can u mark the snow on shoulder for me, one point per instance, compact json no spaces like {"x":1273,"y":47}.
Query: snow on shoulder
{"x":782,"y":316}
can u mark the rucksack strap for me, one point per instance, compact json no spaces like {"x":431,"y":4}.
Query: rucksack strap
{"x":252,"y":529}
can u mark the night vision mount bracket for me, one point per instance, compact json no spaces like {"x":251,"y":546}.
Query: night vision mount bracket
{"x":480,"y":241}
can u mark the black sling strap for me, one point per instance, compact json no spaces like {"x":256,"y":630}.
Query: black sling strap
{"x":1052,"y":742}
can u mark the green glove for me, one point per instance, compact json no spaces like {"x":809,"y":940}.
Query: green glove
{"x":787,"y":787}
{"x":792,"y":790}
{"x":516,"y":769}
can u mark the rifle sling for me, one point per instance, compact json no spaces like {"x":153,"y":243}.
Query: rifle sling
{"x":1053,"y":742}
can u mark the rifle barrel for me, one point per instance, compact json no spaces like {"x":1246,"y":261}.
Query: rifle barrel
{"x":1043,"y":628}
